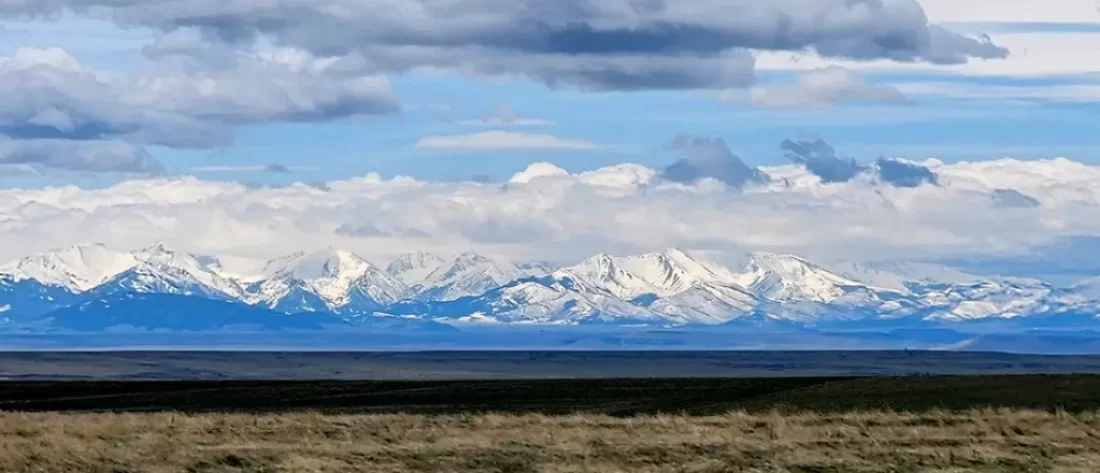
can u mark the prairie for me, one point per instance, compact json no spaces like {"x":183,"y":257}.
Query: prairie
{"x":980,"y":440}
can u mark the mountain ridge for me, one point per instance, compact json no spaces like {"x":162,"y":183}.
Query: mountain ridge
{"x":671,"y":287}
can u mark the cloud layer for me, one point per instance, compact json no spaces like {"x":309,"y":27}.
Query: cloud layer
{"x":56,"y":103}
{"x":823,"y":88}
{"x":214,"y":67}
{"x":591,"y":44}
{"x":504,"y":141}
{"x":996,"y":208}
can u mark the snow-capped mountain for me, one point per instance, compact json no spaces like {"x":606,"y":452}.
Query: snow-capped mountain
{"x":413,"y":268}
{"x":672,"y":287}
{"x":26,"y":299}
{"x":78,"y":268}
{"x":546,"y":300}
{"x":677,"y":287}
{"x":160,"y":270}
{"x":328,"y":280}
{"x":467,"y":274}
{"x":660,"y":274}
{"x":790,"y":278}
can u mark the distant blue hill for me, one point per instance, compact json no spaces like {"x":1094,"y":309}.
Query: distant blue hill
{"x":177,"y":313}
{"x":26,"y":300}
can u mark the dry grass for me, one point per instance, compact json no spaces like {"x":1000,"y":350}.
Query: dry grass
{"x":940,"y":441}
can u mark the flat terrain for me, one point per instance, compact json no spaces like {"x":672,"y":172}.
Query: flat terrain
{"x":547,"y":412}
{"x":936,"y":441}
{"x":618,"y":397}
{"x":483,"y":365}
{"x":1017,"y":423}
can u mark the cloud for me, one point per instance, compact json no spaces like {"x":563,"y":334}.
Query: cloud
{"x":709,"y":158}
{"x":552,"y":214}
{"x":1014,"y":198}
{"x":823,"y":88}
{"x":1034,"y":55}
{"x":1039,"y":11}
{"x":51,"y":96}
{"x":505,"y":115}
{"x":904,"y":174}
{"x":91,"y":156}
{"x":268,"y":168}
{"x":821,"y":159}
{"x":1067,"y":91}
{"x":590,"y":44}
{"x":538,"y":170}
{"x":505,"y":141}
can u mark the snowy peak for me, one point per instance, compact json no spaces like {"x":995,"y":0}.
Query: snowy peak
{"x":605,"y":272}
{"x":159,"y":269}
{"x":674,"y":271}
{"x":786,"y":277}
{"x":413,"y":268}
{"x":467,"y":274}
{"x":661,"y":274}
{"x":342,"y":280}
{"x":330,"y":263}
{"x":78,"y":268}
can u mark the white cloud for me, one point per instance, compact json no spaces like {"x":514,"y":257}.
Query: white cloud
{"x":1061,"y":92}
{"x":53,"y":99}
{"x":1043,"y":11}
{"x":505,"y":141}
{"x":823,"y":88}
{"x":91,"y":156}
{"x":271,"y":168}
{"x":587,"y":44}
{"x":1034,"y":54}
{"x":545,"y":213}
{"x":518,"y":122}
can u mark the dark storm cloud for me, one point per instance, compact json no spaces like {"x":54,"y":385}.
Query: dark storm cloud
{"x":821,"y":159}
{"x":709,"y":158}
{"x":592,"y":44}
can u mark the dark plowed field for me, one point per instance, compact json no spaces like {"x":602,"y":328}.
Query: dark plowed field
{"x":1073,"y":393}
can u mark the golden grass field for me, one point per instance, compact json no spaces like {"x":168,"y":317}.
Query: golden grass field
{"x":993,"y":440}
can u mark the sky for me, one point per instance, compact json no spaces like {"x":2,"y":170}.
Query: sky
{"x":286,"y":124}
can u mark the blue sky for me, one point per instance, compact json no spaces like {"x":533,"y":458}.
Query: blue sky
{"x":129,"y":122}
{"x":976,"y":111}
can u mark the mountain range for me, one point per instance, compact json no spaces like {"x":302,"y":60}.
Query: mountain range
{"x":96,"y":287}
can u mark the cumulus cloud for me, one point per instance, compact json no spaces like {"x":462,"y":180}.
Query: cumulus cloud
{"x":92,"y":156}
{"x":594,"y":44}
{"x":52,"y":97}
{"x":709,"y":158}
{"x":547,"y":213}
{"x":505,"y":141}
{"x":823,"y":88}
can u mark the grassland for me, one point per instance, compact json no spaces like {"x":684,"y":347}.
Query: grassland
{"x":933,"y":441}
{"x":799,"y":425}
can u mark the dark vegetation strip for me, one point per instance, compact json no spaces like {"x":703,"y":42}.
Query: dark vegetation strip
{"x":1073,"y":393}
